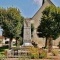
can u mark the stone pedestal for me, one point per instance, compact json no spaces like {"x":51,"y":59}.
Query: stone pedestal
{"x":27,"y":44}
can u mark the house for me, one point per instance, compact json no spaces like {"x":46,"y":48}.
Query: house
{"x":5,"y":41}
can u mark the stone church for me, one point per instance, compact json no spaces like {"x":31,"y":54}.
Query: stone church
{"x":35,"y":20}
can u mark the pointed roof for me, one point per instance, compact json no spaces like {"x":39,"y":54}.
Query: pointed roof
{"x":46,"y":3}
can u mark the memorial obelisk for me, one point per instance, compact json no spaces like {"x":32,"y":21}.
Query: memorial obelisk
{"x":27,"y":33}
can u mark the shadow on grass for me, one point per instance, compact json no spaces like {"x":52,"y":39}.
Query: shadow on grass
{"x":3,"y":48}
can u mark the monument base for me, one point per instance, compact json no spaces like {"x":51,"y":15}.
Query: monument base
{"x":27,"y":44}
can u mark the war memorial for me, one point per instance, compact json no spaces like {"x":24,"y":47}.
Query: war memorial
{"x":27,"y":51}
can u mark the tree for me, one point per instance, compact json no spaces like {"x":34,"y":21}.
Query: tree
{"x":2,"y":15}
{"x":50,"y":25}
{"x":32,"y":29}
{"x":12,"y":23}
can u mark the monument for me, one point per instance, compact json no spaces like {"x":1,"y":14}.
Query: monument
{"x":27,"y":33}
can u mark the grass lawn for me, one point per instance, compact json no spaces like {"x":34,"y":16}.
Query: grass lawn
{"x":3,"y":48}
{"x":2,"y":51}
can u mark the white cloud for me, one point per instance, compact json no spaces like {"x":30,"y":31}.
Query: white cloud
{"x":39,"y":2}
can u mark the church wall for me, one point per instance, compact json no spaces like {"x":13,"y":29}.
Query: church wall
{"x":56,"y":42}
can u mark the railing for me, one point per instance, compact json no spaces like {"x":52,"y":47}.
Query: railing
{"x":15,"y":57}
{"x":22,"y":52}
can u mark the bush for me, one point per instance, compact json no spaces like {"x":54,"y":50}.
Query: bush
{"x":37,"y":53}
{"x":34,"y":44}
{"x":2,"y":55}
{"x":3,"y":48}
{"x":43,"y":54}
{"x":34,"y":53}
{"x":34,"y":56}
{"x":55,"y":52}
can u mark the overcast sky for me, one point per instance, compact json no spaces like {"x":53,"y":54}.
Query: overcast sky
{"x":27,"y":7}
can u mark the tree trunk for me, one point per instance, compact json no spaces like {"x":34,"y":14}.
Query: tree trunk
{"x":50,"y":44}
{"x":46,"y":43}
{"x":10,"y":43}
{"x":16,"y":42}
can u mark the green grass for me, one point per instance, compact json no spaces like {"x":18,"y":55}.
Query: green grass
{"x":3,"y":48}
{"x":2,"y":54}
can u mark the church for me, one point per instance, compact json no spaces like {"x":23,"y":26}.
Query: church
{"x":35,"y":20}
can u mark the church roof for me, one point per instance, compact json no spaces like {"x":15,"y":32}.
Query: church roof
{"x":49,"y":1}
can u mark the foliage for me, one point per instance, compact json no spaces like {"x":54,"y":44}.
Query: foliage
{"x":34,"y":56}
{"x":34,"y":44}
{"x":50,"y":25}
{"x":3,"y":48}
{"x":2,"y":15}
{"x":11,"y":22}
{"x":54,"y":52}
{"x":34,"y":53}
{"x":42,"y":54}
{"x":2,"y":56}
{"x":50,"y":22}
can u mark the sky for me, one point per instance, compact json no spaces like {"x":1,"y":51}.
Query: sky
{"x":27,"y":7}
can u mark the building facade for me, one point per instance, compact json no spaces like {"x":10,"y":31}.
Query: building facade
{"x":35,"y":20}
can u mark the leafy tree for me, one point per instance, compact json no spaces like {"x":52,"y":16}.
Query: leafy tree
{"x":12,"y":22}
{"x":2,"y":15}
{"x":50,"y":25}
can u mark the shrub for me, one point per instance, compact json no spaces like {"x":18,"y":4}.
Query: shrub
{"x":37,"y":53}
{"x":55,"y":52}
{"x":43,"y":54}
{"x":34,"y":53}
{"x":34,"y":44}
{"x":2,"y":55}
{"x":34,"y":56}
